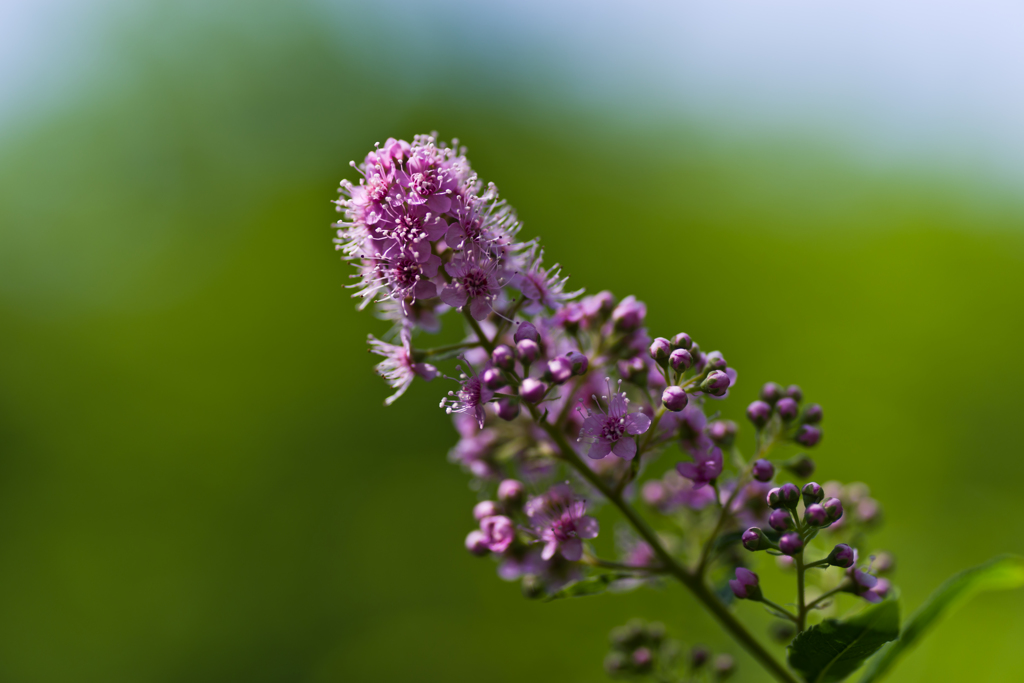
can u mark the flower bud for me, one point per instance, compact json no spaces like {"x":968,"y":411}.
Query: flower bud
{"x":759,"y":412}
{"x":660,"y":349}
{"x":503,"y":357}
{"x":485,"y":508}
{"x":682,"y":341}
{"x":787,"y":409}
{"x":745,"y":585}
{"x":654,"y":493}
{"x":782,"y":632}
{"x":771,"y":392}
{"x":793,"y":391}
{"x":716,"y":383}
{"x":532,"y":390}
{"x":476,"y":543}
{"x":629,"y":314}
{"x":815,"y":515}
{"x":724,"y":666}
{"x":775,"y":498}
{"x":699,"y":656}
{"x":808,"y":435}
{"x":511,"y":491}
{"x":780,"y":520}
{"x":722,"y":432}
{"x":634,"y":370}
{"x":492,"y":378}
{"x":868,"y":510}
{"x":791,"y":543}
{"x":615,"y":663}
{"x":642,"y":658}
{"x":508,"y":409}
{"x":884,"y":563}
{"x":560,"y":369}
{"x":754,"y":539}
{"x":812,"y":493}
{"x":834,"y":509}
{"x":579,"y":362}
{"x":715,"y":361}
{"x":674,"y":398}
{"x":528,"y":350}
{"x":789,"y":495}
{"x":842,"y":556}
{"x":680,"y":360}
{"x":526,"y":330}
{"x":812,"y":414}
{"x":532,"y":586}
{"x":763,"y":470}
{"x":800,"y":465}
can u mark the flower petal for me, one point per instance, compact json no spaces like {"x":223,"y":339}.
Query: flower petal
{"x":454,"y":296}
{"x":637,"y":423}
{"x":599,"y":449}
{"x":587,"y":527}
{"x":625,"y":448}
{"x":572,"y":549}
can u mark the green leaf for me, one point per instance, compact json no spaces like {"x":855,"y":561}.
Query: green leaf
{"x":589,"y":586}
{"x":834,"y":649}
{"x":1000,"y":573}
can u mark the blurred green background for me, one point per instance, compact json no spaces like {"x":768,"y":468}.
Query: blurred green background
{"x":198,"y":481}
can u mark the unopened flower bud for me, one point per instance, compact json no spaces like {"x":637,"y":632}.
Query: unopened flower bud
{"x":771,"y":392}
{"x":654,"y":493}
{"x":868,"y":511}
{"x":634,"y":370}
{"x":884,"y":563}
{"x":682,"y":341}
{"x":526,"y":330}
{"x":680,"y":360}
{"x":532,"y":390}
{"x":532,"y":586}
{"x":808,"y":435}
{"x":560,"y":369}
{"x":699,"y":656}
{"x":508,"y":409}
{"x":782,"y":632}
{"x":759,"y":412}
{"x":763,"y":470}
{"x":511,"y":491}
{"x":812,"y":493}
{"x":791,"y":543}
{"x":615,"y":663}
{"x":789,"y":495}
{"x":528,"y":350}
{"x":642,"y":658}
{"x":745,"y":585}
{"x":775,"y":498}
{"x":834,"y":508}
{"x":794,"y":392}
{"x":485,"y":508}
{"x":579,"y":362}
{"x":629,"y":314}
{"x":715,"y":361}
{"x":780,"y":520}
{"x":503,"y":357}
{"x":716,"y":383}
{"x":800,"y":465}
{"x":812,"y":414}
{"x":722,"y":432}
{"x":674,"y":398}
{"x":787,"y":409}
{"x":815,"y":515}
{"x":492,"y":378}
{"x":660,"y":349}
{"x":754,"y":539}
{"x":724,"y":667}
{"x":476,"y":543}
{"x":842,"y":556}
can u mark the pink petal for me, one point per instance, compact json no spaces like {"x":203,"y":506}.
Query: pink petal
{"x":572,"y":549}
{"x":424,"y":289}
{"x":454,"y":296}
{"x":479,"y":308}
{"x":625,"y":448}
{"x":587,"y":527}
{"x":599,"y":449}
{"x":637,"y":423}
{"x":688,"y":470}
{"x":549,"y":550}
{"x":439,"y":203}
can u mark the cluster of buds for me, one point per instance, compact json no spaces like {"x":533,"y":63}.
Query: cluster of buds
{"x":641,"y":650}
{"x":562,"y":400}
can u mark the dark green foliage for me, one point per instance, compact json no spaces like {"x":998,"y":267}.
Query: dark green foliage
{"x":834,"y":649}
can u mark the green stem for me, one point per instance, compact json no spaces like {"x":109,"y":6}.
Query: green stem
{"x":705,"y":554}
{"x":692,"y":581}
{"x":824,"y":596}
{"x":780,"y":609}
{"x":487,"y":343}
{"x":437,"y":350}
{"x":801,"y":607}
